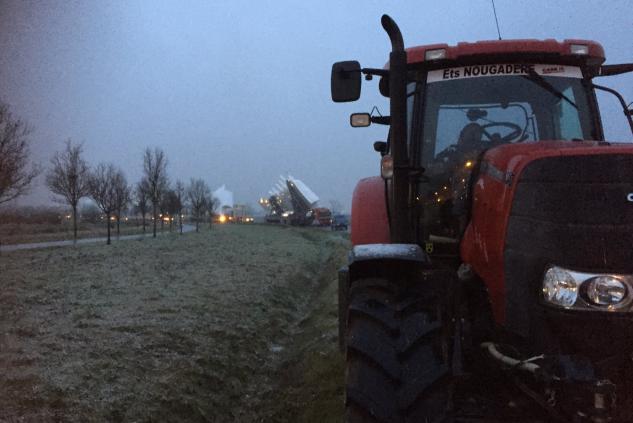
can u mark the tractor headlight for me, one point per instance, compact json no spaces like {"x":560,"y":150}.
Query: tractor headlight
{"x":560,"y":287}
{"x":605,"y":290}
{"x":589,"y":291}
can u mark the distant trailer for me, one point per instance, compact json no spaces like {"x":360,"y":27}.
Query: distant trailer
{"x":303,"y":201}
{"x":292,"y":202}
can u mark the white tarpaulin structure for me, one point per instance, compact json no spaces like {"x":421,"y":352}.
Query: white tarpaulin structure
{"x":290,"y":196}
{"x":224,"y":198}
{"x":308,"y":195}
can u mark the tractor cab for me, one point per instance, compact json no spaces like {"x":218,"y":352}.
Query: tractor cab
{"x":459,"y":113}
{"x":462,"y":101}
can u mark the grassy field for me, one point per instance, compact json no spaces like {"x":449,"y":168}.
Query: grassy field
{"x":236,"y":324}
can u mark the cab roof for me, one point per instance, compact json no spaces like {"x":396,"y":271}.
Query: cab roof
{"x":548,"y":50}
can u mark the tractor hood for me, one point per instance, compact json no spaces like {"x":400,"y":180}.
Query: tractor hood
{"x":550,"y":202}
{"x":511,"y":158}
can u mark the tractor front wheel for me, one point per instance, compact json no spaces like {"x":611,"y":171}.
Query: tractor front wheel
{"x":397,"y":353}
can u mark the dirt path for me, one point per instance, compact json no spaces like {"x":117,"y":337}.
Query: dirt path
{"x":234,"y":324}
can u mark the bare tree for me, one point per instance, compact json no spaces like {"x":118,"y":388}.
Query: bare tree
{"x":199,"y":195}
{"x":68,"y":178}
{"x":162,"y":210}
{"x":212,"y":205}
{"x":171,"y":206}
{"x":123,"y":195}
{"x":102,"y":183}
{"x":140,"y":195}
{"x":180,"y":194}
{"x":155,"y":169}
{"x":15,"y":173}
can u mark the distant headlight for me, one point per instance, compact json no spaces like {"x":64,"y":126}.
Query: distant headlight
{"x":605,"y":290}
{"x":559,"y":287}
{"x":589,"y":291}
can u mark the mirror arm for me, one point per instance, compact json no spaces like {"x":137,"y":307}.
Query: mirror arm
{"x":625,"y":108}
{"x":608,"y":70}
{"x":381,"y":120}
{"x":374,"y":71}
{"x":367,"y":71}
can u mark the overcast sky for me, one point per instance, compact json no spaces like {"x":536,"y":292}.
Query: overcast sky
{"x":237,"y":92}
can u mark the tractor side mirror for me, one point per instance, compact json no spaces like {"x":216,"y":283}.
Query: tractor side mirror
{"x":383,"y":86}
{"x":380,"y":147}
{"x":345,"y":82}
{"x":360,"y":120}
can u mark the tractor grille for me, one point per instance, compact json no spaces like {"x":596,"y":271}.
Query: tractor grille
{"x":571,"y":211}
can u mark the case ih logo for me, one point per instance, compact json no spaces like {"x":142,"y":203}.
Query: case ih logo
{"x":629,"y":197}
{"x":553,"y":69}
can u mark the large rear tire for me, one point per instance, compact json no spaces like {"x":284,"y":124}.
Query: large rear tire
{"x":397,"y":352}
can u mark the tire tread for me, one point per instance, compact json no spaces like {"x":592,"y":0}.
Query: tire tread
{"x":397,"y":365}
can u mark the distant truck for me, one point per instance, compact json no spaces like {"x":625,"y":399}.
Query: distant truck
{"x":339,"y":222}
{"x":322,"y":216}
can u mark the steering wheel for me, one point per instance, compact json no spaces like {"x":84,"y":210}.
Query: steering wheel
{"x":515,"y":134}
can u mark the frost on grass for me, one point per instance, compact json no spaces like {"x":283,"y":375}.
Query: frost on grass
{"x":181,"y":328}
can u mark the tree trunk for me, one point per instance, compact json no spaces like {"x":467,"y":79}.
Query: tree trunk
{"x":155,"y":217}
{"x":108,"y":223}
{"x":180,"y":221}
{"x":118,"y":229}
{"x":197,"y":222}
{"x":75,"y":223}
{"x":143,"y":219}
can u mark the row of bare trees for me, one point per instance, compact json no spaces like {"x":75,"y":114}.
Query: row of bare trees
{"x":154,"y":190}
{"x":71,"y":179}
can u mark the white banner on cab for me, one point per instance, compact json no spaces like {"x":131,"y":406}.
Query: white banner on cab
{"x":508,"y":69}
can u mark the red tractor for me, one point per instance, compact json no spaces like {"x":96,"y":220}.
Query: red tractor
{"x":496,"y":248}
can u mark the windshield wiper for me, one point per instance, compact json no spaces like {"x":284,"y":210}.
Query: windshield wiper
{"x":542,"y":82}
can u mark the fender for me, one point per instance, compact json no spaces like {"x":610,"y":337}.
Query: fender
{"x":385,"y":260}
{"x":395,"y":261}
{"x":369,"y":222}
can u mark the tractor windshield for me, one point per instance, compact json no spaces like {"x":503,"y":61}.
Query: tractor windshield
{"x":466,"y":113}
{"x":470,"y":109}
